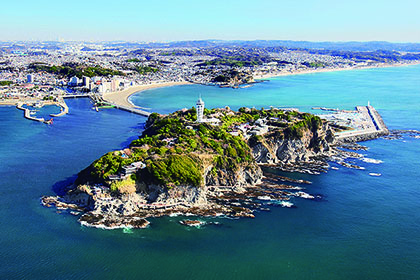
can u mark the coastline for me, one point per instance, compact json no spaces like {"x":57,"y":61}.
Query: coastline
{"x":15,"y":102}
{"x":121,"y":97}
{"x":324,"y":70}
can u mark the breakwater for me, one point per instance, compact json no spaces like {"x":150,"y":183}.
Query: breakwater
{"x":27,"y":113}
{"x":64,"y":109}
{"x":370,"y":126}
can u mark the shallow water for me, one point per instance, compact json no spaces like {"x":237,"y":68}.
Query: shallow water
{"x":364,"y":228}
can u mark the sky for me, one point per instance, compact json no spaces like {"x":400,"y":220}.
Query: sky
{"x":165,"y":20}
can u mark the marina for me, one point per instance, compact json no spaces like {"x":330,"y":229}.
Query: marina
{"x":64,"y":109}
{"x":358,"y":207}
{"x":27,"y":114}
{"x":364,"y":123}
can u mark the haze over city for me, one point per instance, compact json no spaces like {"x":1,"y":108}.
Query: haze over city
{"x":324,"y":20}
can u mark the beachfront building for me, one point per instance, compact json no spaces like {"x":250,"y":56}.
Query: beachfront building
{"x":86,"y":81}
{"x":74,"y":81}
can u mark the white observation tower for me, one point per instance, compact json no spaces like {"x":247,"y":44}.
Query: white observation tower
{"x":200,"y":110}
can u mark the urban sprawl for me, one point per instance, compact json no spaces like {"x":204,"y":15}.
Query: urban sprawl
{"x":50,"y":70}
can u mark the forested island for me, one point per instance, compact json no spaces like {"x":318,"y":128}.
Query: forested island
{"x":207,"y":167}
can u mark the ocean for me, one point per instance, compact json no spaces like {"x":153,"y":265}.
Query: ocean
{"x":364,"y":227}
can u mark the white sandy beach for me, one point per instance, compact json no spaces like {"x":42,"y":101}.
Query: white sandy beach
{"x":121,"y":97}
{"x":321,"y":70}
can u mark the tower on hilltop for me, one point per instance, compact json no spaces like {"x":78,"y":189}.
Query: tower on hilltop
{"x":200,"y":110}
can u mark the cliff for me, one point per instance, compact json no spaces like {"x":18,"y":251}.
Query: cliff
{"x":276,"y":148}
{"x":179,"y":165}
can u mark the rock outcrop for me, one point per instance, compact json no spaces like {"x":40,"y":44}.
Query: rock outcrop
{"x":275,"y":148}
{"x":200,"y":170}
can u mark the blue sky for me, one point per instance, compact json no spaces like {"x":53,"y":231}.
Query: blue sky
{"x":154,"y":20}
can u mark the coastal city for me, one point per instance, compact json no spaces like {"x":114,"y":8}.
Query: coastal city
{"x":35,"y":72}
{"x":210,"y":140}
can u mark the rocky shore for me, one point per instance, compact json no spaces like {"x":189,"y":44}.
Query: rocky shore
{"x":228,"y":189}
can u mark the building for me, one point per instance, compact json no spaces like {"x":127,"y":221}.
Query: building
{"x":200,"y":114}
{"x":74,"y":81}
{"x":200,"y":110}
{"x":132,"y":168}
{"x":86,"y":81}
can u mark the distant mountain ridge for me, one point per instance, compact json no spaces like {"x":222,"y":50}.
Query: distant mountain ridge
{"x":348,"y":46}
{"x":343,"y":46}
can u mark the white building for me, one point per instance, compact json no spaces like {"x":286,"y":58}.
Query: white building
{"x":200,"y":114}
{"x":86,"y":81}
{"x":200,"y":110}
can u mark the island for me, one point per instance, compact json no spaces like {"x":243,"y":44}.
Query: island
{"x":204,"y":162}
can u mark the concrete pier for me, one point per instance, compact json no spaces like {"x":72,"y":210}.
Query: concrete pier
{"x":372,"y":127}
{"x":64,"y":109}
{"x":27,"y":113}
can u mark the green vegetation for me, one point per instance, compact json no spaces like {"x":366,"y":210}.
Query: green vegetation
{"x":112,"y":163}
{"x":174,"y":170}
{"x":71,"y":70}
{"x":124,"y":186}
{"x":6,"y":83}
{"x":316,"y":64}
{"x":233,"y":62}
{"x":145,"y":69}
{"x":309,"y":121}
{"x":176,"y":149}
{"x":238,"y":60}
{"x":133,"y":60}
{"x":99,"y":71}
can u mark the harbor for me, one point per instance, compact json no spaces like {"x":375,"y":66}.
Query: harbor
{"x":27,"y":114}
{"x":364,"y":123}
{"x":64,"y":109}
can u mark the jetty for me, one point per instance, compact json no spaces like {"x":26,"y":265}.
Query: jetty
{"x":64,"y":109}
{"x":365,"y":123}
{"x":27,"y":114}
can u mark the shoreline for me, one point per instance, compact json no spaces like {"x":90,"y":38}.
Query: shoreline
{"x":325,"y":70}
{"x":121,"y":97}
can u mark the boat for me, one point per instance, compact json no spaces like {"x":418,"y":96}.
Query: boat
{"x":264,"y":197}
{"x":375,"y":174}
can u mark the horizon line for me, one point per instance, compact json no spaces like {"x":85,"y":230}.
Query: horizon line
{"x":205,"y":40}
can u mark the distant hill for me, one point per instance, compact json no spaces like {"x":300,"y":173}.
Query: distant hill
{"x":347,"y":46}
{"x":332,"y":46}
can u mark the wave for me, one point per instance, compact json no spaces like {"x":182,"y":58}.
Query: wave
{"x":371,"y":160}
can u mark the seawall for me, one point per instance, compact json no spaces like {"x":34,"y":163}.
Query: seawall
{"x":376,"y":130}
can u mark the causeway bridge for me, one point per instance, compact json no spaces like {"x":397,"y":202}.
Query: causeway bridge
{"x":97,"y":98}
{"x":133,"y":110}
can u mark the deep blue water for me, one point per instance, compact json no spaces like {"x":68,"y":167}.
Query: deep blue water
{"x":365,"y":228}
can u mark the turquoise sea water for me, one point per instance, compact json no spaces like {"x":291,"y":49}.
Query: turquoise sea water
{"x":364,"y":228}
